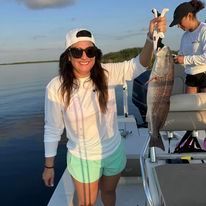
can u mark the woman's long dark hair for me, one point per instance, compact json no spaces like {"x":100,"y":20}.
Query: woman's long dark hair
{"x":97,"y":75}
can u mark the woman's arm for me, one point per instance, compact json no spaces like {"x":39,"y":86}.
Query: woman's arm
{"x":48,"y":173}
{"x":197,"y":52}
{"x":53,"y":129}
{"x":147,"y":51}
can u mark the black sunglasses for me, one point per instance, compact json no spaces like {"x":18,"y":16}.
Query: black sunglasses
{"x":78,"y":52}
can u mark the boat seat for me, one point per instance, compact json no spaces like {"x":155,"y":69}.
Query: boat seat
{"x":187,"y":111}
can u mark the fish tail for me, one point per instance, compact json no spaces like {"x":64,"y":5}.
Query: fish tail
{"x":157,"y":142}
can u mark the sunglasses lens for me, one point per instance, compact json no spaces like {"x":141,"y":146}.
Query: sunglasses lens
{"x":78,"y":52}
{"x":91,"y":52}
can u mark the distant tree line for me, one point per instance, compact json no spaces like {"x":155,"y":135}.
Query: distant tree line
{"x":119,"y":56}
{"x":124,"y":55}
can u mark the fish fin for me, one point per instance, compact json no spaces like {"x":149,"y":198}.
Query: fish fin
{"x":157,"y":142}
{"x":153,"y":78}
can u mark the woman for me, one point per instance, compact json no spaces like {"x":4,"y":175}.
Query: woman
{"x":192,"y":52}
{"x":82,"y":100}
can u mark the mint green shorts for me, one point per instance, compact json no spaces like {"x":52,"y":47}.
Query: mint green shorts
{"x":87,"y":171}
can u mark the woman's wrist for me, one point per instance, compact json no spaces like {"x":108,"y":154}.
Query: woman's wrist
{"x":149,"y":37}
{"x":48,"y":167}
{"x":49,"y":163}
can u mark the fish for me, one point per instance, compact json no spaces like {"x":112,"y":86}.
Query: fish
{"x":159,"y":90}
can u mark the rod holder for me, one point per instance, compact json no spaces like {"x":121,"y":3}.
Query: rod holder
{"x":152,"y":154}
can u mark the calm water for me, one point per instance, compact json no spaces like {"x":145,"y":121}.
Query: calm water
{"x":21,"y":134}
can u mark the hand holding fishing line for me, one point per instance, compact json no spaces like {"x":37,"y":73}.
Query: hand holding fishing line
{"x":164,"y":11}
{"x":156,"y":34}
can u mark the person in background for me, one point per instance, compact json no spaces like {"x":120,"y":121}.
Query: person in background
{"x":192,"y":52}
{"x":82,"y":100}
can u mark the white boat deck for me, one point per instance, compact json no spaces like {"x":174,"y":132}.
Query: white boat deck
{"x":130,"y":189}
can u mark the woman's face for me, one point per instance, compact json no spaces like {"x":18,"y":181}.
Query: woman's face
{"x":186,"y":22}
{"x":183,"y":24}
{"x":82,"y":64}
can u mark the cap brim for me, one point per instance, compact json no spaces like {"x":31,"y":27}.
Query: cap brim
{"x":175,"y":22}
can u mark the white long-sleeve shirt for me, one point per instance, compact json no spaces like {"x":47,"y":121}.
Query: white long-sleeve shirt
{"x":193,"y":47}
{"x":91,"y":134}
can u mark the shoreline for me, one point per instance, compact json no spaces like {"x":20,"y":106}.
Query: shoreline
{"x":28,"y":62}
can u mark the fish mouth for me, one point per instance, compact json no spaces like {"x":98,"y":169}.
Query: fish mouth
{"x":164,"y":49}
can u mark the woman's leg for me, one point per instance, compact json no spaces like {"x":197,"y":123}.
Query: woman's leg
{"x":108,"y":185}
{"x":191,"y":90}
{"x":86,"y":192}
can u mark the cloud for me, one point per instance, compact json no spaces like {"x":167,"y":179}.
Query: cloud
{"x":43,"y":4}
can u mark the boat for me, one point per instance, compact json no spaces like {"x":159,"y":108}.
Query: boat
{"x":162,"y":177}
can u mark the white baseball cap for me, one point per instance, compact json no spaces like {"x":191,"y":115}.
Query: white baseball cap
{"x":77,"y":35}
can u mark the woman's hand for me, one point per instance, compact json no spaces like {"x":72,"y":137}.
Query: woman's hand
{"x":48,"y":177}
{"x":158,"y":23}
{"x":146,"y":54}
{"x":179,"y":59}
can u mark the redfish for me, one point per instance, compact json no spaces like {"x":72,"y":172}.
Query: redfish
{"x":160,"y":86}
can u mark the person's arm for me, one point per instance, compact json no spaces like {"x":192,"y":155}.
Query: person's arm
{"x":128,"y":70}
{"x":147,"y":51}
{"x":146,"y":54}
{"x":53,"y":129}
{"x":48,"y":173}
{"x":196,"y":58}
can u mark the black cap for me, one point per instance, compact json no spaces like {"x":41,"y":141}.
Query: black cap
{"x":181,"y":11}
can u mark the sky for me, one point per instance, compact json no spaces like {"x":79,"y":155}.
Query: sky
{"x":33,"y":30}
